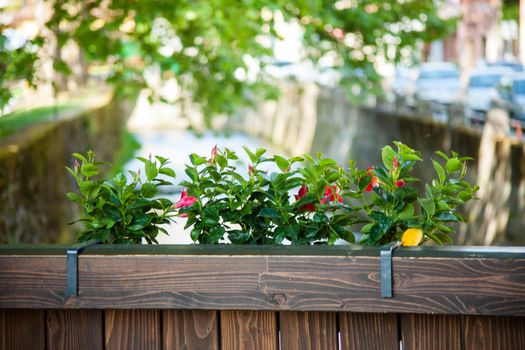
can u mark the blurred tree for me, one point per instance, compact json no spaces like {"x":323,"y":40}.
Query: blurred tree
{"x":207,"y":45}
{"x":15,"y":64}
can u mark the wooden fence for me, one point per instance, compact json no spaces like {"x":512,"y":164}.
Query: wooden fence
{"x":234,"y":297}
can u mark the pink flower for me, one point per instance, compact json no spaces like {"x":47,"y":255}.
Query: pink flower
{"x":400,"y":183}
{"x":76,"y":166}
{"x":213,"y":155}
{"x":331,"y":194}
{"x":250,"y":170}
{"x":395,"y":163}
{"x":184,"y":201}
{"x":302,"y":192}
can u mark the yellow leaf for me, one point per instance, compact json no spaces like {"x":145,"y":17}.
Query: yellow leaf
{"x":412,"y":237}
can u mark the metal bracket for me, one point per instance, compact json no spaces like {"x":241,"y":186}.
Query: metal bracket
{"x":72,"y":266}
{"x":386,"y":268}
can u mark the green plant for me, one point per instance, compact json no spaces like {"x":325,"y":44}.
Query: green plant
{"x":118,"y":210}
{"x":256,"y":207}
{"x":259,"y":209}
{"x":394,"y":205}
{"x":302,"y":200}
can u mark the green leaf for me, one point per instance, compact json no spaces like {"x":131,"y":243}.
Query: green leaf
{"x":440,"y":171}
{"x":238,"y":236}
{"x":167,"y":171}
{"x":74,"y":197}
{"x":222,"y":161}
{"x":387,"y":155}
{"x":442,"y":155}
{"x":282,"y":163}
{"x":407,"y":212}
{"x":192,"y":174}
{"x":149,"y":190}
{"x":151,"y":170}
{"x":197,"y":160}
{"x":89,"y":170}
{"x":465,"y":196}
{"x":269,"y":213}
{"x":366,"y":228}
{"x":453,"y":165}
{"x":195,"y":233}
{"x":80,"y":157}
{"x":252,"y":156}
{"x":428,"y":206}
{"x":260,"y":152}
{"x":447,"y":216}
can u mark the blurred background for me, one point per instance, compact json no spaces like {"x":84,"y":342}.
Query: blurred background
{"x":339,"y":77}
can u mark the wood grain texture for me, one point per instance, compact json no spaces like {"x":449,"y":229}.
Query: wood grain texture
{"x":430,"y":332}
{"x":132,"y":329}
{"x":494,"y":333}
{"x":32,"y":281}
{"x":74,"y":329}
{"x":22,"y":329}
{"x":308,"y":330}
{"x":249,"y":330}
{"x":309,"y":283}
{"x":190,"y":330}
{"x":363,"y":331}
{"x":473,"y":286}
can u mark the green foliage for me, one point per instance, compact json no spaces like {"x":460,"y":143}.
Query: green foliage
{"x":15,"y":64}
{"x":306,"y":200}
{"x":256,"y":207}
{"x":202,"y":44}
{"x":117,"y":210}
{"x":393,"y":205}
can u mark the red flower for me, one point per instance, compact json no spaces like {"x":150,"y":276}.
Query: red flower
{"x":184,"y":201}
{"x":400,"y":183}
{"x":250,"y":170}
{"x":331,"y":194}
{"x":302,"y":192}
{"x":373,"y":183}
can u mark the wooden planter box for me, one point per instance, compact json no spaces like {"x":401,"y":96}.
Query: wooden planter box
{"x":249,"y":297}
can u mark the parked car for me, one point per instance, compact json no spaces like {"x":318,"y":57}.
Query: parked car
{"x":438,"y":82}
{"x":511,"y":96}
{"x":516,"y":67}
{"x":481,"y":88}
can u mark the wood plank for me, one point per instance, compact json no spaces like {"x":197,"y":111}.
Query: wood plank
{"x":132,"y":329}
{"x":308,"y":330}
{"x":249,"y":330}
{"x":494,"y":333}
{"x":22,"y":329}
{"x":309,"y":283}
{"x":74,"y":329}
{"x":430,"y":332}
{"x":366,"y":331}
{"x":32,"y":281}
{"x":484,"y":286}
{"x":190,"y":330}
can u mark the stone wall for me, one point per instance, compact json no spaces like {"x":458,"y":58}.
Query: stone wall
{"x":306,"y":119}
{"x":33,"y":179}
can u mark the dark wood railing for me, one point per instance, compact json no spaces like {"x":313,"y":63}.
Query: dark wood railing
{"x":238,"y":297}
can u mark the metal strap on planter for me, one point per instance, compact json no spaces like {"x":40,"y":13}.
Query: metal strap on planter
{"x":386,"y":268}
{"x":72,"y":267}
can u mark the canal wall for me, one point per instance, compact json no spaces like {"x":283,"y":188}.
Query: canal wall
{"x":33,"y":179}
{"x":309,"y":119}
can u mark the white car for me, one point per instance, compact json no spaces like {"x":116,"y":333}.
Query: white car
{"x":481,"y":88}
{"x":438,"y":82}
